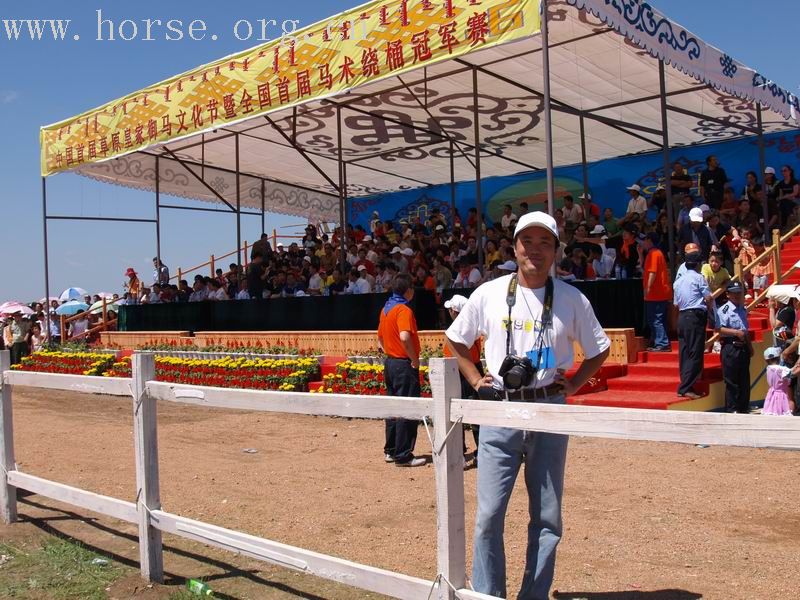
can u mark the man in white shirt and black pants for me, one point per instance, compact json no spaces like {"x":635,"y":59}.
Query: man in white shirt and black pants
{"x":529,"y":322}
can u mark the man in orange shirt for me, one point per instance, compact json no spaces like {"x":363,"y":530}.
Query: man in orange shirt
{"x":398,"y":338}
{"x":657,"y":293}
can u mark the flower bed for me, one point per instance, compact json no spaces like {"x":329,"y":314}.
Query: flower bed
{"x":67,"y":363}
{"x":365,"y":380}
{"x":290,"y":375}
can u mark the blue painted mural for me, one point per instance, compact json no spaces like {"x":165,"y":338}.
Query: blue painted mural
{"x":607,"y":181}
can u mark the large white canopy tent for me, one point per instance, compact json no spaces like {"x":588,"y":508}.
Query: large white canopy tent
{"x":621,"y":79}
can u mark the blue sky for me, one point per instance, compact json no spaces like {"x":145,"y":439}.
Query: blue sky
{"x":46,"y":81}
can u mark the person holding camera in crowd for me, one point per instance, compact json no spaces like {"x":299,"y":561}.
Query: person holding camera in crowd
{"x":529,"y":322}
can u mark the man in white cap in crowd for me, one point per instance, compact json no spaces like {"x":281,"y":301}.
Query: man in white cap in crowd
{"x":637,"y":202}
{"x":529,"y":322}
{"x":696,"y":232}
{"x":589,"y":207}
{"x":398,"y":259}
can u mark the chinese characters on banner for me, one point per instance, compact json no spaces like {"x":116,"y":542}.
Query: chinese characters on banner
{"x":382,"y":39}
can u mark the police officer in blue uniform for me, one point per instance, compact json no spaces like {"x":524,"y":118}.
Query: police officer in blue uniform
{"x":692,"y":297}
{"x":736,"y":350}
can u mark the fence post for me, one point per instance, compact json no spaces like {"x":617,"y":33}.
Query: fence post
{"x":8,"y":493}
{"x":146,"y":449}
{"x":211,"y":263}
{"x":449,"y":470}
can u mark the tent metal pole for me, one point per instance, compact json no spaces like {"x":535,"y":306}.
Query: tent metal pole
{"x":263,"y":197}
{"x":158,"y":212}
{"x":762,"y":165}
{"x":548,"y":125}
{"x":340,"y":187}
{"x":584,"y":166}
{"x":452,"y":185}
{"x":46,"y":260}
{"x":662,"y":81}
{"x":238,"y":207}
{"x":478,"y":200}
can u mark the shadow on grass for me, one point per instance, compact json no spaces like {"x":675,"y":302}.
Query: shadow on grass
{"x":631,"y":595}
{"x":170,"y":579}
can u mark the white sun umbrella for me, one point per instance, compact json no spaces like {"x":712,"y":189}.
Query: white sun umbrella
{"x":106,"y":295}
{"x":46,"y":301}
{"x":9,"y":308}
{"x":73,"y":293}
{"x":97,"y":307}
{"x":71,"y":307}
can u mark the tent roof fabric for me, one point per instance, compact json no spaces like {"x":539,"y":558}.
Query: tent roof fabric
{"x":399,"y":133}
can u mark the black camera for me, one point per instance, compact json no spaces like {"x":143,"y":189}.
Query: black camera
{"x":517,"y":372}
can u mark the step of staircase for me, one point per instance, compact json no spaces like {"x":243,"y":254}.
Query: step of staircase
{"x":629,"y":399}
{"x":648,"y":383}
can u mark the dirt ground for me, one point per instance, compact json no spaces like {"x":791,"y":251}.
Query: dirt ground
{"x":643,"y":521}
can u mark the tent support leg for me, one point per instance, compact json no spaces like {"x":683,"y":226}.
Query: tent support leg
{"x":584,"y":166}
{"x":342,"y":199}
{"x":238,"y":207}
{"x":158,"y":212}
{"x":662,"y":80}
{"x":478,"y":200}
{"x":46,"y":260}
{"x":548,"y":125}
{"x":452,"y":185}
{"x":762,"y":165}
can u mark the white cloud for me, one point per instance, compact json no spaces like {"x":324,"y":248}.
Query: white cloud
{"x":8,"y":96}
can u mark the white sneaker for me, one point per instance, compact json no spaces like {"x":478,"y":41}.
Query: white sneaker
{"x":414,"y":462}
{"x":388,"y":458}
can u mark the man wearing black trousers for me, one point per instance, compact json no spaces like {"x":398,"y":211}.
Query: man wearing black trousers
{"x":736,"y":350}
{"x":692,"y":297}
{"x":398,"y":338}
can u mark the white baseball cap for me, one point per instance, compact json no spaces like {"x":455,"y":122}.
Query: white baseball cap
{"x":585,"y":197}
{"x":769,"y":170}
{"x":509,"y":265}
{"x":696,"y":215}
{"x":361,"y":268}
{"x":635,"y":187}
{"x":279,"y":245}
{"x":598,"y":230}
{"x":307,"y":258}
{"x":367,"y":238}
{"x":705,"y":208}
{"x":457,"y":303}
{"x":439,"y":227}
{"x":407,"y":252}
{"x":396,"y":250}
{"x":536,"y":219}
{"x":772,"y":352}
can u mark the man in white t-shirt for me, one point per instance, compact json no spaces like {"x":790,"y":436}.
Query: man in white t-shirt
{"x":637,"y":203}
{"x":509,"y":218}
{"x":573,"y":213}
{"x":546,"y":343}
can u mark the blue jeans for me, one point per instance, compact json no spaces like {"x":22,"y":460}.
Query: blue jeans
{"x":500,"y":454}
{"x":656,"y":314}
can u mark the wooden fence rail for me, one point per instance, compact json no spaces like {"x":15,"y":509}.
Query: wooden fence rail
{"x":444,"y":407}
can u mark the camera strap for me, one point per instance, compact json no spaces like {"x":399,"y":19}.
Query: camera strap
{"x":547,"y":311}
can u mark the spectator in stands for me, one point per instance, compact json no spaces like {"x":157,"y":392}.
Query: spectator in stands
{"x":788,"y":193}
{"x":589,"y":208}
{"x":358,"y":283}
{"x":602,"y":263}
{"x":468,"y":276}
{"x":243,"y":294}
{"x":716,"y":276}
{"x":160,"y":271}
{"x":657,"y":292}
{"x":262,"y":247}
{"x":681,"y":181}
{"x":509,"y":219}
{"x":572,"y":212}
{"x":695,"y":232}
{"x":133,"y":286}
{"x":315,"y":283}
{"x":216,"y":291}
{"x":637,"y":202}
{"x":712,"y":183}
{"x":746,"y":219}
{"x":154,"y":296}
{"x":184,"y":291}
{"x":199,"y":293}
{"x":610,"y":223}
{"x":37,"y":338}
{"x":15,"y":335}
{"x":383,"y":279}
{"x":336,"y":284}
{"x":628,"y":254}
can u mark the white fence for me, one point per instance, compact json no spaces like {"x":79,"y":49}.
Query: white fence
{"x":446,"y":410}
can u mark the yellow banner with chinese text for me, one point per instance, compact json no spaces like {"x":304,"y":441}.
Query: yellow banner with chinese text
{"x":381,"y":39}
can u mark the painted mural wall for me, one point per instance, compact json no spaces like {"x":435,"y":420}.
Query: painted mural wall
{"x":607,"y":181}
